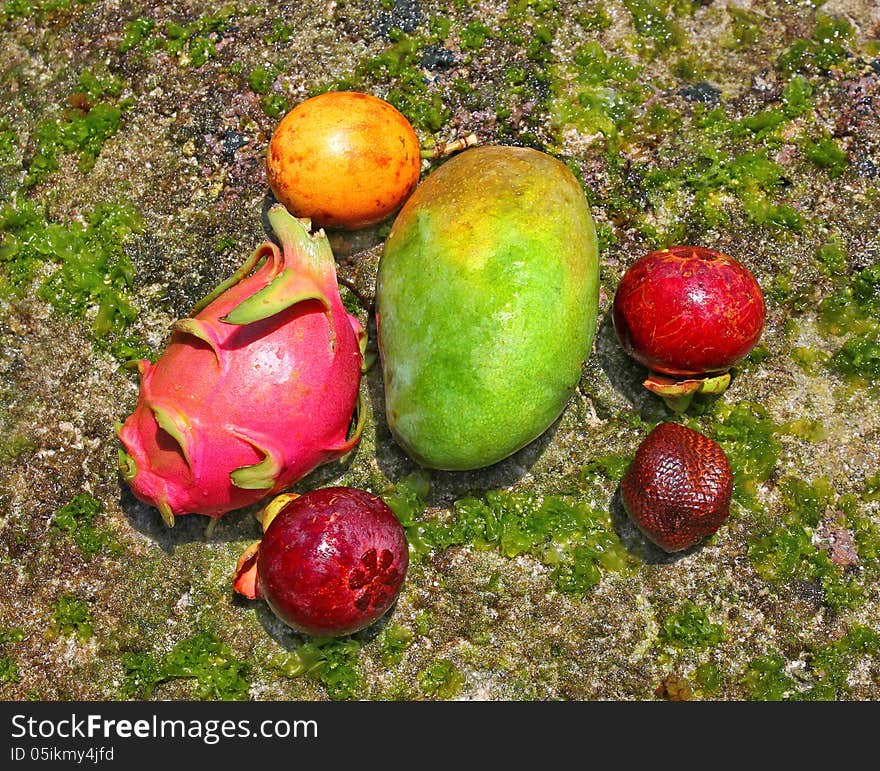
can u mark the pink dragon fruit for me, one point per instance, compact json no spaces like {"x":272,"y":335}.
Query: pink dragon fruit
{"x":253,"y":392}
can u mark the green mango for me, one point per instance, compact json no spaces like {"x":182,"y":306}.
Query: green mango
{"x":486,"y":304}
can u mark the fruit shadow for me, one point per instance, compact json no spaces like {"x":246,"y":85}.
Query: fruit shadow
{"x":627,"y":375}
{"x":446,"y":486}
{"x":289,"y":639}
{"x":635,"y":542}
{"x":237,"y":525}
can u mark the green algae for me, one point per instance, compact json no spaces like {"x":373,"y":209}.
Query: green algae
{"x":690,"y":627}
{"x":78,"y":520}
{"x":787,"y":551}
{"x":708,"y":678}
{"x":827,"y":672}
{"x":598,"y":94}
{"x":38,"y":9}
{"x":70,"y":616}
{"x":766,"y":678}
{"x":393,"y":643}
{"x":574,"y":539}
{"x":9,"y":671}
{"x":204,"y":658}
{"x":441,"y":680}
{"x":827,"y":48}
{"x":747,"y":435}
{"x":93,"y":115}
{"x":826,"y":154}
{"x":334,"y":663}
{"x":853,"y":310}
{"x":474,"y":35}
{"x":192,"y":44}
{"x":87,"y":265}
{"x":651,"y":20}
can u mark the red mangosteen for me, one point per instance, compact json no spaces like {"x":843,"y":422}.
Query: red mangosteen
{"x":688,"y":314}
{"x":330,"y":563}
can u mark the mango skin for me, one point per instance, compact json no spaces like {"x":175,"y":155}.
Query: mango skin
{"x":486,"y":304}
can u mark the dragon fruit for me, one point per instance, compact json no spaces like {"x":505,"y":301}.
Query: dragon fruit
{"x":254,"y":390}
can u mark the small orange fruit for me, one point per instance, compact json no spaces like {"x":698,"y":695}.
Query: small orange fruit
{"x":344,"y":160}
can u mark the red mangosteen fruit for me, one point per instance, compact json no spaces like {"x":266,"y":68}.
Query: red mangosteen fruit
{"x":688,"y":314}
{"x":330,"y":563}
{"x":677,"y":489}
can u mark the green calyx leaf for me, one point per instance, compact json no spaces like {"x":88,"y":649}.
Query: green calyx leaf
{"x":251,"y":264}
{"x":127,"y":466}
{"x":200,"y":330}
{"x":678,"y":394}
{"x":286,"y":289}
{"x":262,"y":475}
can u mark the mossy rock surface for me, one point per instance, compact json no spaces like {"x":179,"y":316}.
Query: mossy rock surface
{"x":132,"y":182}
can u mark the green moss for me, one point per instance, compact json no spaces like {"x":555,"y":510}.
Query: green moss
{"x":333,"y":663}
{"x":219,"y":675}
{"x":747,"y":435}
{"x":474,"y":35}
{"x":826,"y":48}
{"x":261,"y":79}
{"x":786,"y":552}
{"x":650,"y":20}
{"x":690,"y":627}
{"x":70,"y":616}
{"x":393,"y":643}
{"x":90,"y":267}
{"x":9,"y":671}
{"x":766,"y":679}
{"x":77,"y":519}
{"x":831,"y":257}
{"x":441,"y":680}
{"x":576,"y":541}
{"x":82,"y":129}
{"x":828,"y":669}
{"x":826,"y":154}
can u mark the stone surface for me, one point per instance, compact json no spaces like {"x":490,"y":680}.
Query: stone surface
{"x":477,"y":624}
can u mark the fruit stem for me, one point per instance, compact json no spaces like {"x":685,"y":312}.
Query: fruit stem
{"x":678,"y":404}
{"x":442,"y":149}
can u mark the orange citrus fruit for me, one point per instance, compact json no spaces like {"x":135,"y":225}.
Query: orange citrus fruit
{"x":343,"y":159}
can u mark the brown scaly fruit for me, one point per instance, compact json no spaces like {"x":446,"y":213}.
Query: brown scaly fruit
{"x":677,"y":489}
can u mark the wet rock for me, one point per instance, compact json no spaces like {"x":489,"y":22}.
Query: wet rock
{"x":405,"y":16}
{"x":436,"y":57}
{"x":704,"y":93}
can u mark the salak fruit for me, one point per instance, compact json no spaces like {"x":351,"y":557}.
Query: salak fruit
{"x":486,"y":306}
{"x":688,"y":314}
{"x":331,"y":562}
{"x":343,"y":159}
{"x":254,"y":391}
{"x":677,"y":488}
